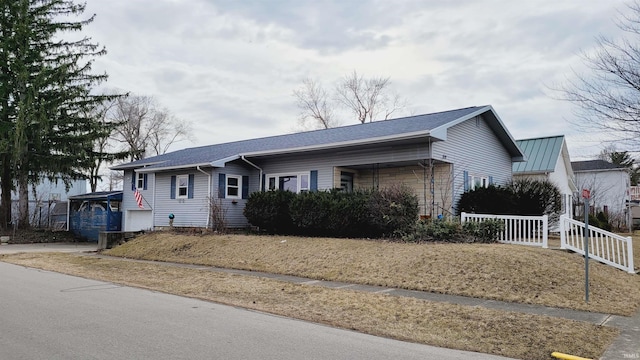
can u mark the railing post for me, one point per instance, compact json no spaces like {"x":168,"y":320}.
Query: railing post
{"x":545,"y":232}
{"x":631,"y":269}
{"x":563,"y":233}
{"x":463,"y":217}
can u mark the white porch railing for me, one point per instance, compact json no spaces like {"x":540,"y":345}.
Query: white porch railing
{"x":604,"y":246}
{"x":523,"y":230}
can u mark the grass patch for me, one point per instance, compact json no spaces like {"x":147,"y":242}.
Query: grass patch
{"x":493,"y":271}
{"x":516,"y":335}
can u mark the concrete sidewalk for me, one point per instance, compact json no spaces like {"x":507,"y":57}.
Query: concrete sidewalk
{"x":49,"y":247}
{"x":626,"y":346}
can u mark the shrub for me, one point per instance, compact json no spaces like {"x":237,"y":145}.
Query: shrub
{"x":519,"y":197}
{"x":484,"y":231}
{"x":489,"y":200}
{"x":602,"y":221}
{"x":435,"y":230}
{"x":446,"y":231}
{"x":392,"y":210}
{"x":269,"y":210}
{"x":536,"y":197}
{"x":363,"y":213}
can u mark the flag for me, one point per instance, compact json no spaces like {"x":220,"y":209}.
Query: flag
{"x":138,"y":196}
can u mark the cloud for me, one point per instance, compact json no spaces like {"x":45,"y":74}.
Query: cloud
{"x":230,"y":66}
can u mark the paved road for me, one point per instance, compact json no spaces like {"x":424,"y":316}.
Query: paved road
{"x":45,"y":315}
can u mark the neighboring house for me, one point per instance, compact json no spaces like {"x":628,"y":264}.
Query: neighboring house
{"x":548,"y":159}
{"x":439,"y":155}
{"x":49,"y":194}
{"x":608,"y":185}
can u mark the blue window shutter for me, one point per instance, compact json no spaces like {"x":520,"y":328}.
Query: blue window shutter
{"x":222,"y":185}
{"x":465,"y":174}
{"x":133,"y":181}
{"x":313,"y":181}
{"x":490,"y":180}
{"x":173,"y":187}
{"x":144,"y":181}
{"x":264,"y":183}
{"x":245,"y":187}
{"x":190,"y":188}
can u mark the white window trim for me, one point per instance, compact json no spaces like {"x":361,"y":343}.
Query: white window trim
{"x":484,"y":181}
{"x":178,"y":177}
{"x":140,"y":181}
{"x":226,"y":187}
{"x":298,"y":176}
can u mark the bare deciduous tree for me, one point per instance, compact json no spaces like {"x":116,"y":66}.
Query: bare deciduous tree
{"x":607,"y":99}
{"x":312,"y":100}
{"x":146,"y":127}
{"x":369,"y":99}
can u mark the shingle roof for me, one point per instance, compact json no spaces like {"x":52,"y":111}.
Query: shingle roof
{"x":593,"y":165}
{"x":542,"y":154}
{"x":424,"y":125}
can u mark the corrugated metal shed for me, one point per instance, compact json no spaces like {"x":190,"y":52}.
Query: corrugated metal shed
{"x":541,"y":153}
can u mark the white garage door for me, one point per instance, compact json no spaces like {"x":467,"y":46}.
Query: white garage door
{"x":137,"y":220}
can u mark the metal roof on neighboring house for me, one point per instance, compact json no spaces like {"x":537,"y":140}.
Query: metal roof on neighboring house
{"x":542,"y":154}
{"x":99,"y":195}
{"x":433,"y":125}
{"x":595,"y":165}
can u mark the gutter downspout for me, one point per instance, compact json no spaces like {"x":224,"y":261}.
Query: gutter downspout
{"x":257,"y":167}
{"x":208,"y":196}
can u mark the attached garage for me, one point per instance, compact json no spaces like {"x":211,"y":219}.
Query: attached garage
{"x":138,"y":219}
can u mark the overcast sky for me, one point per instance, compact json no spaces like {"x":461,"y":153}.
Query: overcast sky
{"x":230,"y":66}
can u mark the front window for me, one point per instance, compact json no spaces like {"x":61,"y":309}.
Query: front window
{"x":140,"y":182}
{"x":183,"y":186}
{"x":289,"y":182}
{"x":477,"y":182}
{"x":234,"y":184}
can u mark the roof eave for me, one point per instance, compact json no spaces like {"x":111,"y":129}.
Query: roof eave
{"x":177,"y":167}
{"x":376,"y":140}
{"x":133,"y":165}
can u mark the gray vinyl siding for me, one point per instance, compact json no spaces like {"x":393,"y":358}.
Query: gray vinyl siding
{"x":129,"y":202}
{"x":473,"y":147}
{"x":233,"y":211}
{"x":187,"y":212}
{"x":324,"y":163}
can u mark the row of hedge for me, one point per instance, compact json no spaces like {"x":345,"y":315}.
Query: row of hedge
{"x":362,"y":213}
{"x":518,"y":197}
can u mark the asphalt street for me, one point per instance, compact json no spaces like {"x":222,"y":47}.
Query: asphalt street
{"x":46,"y":315}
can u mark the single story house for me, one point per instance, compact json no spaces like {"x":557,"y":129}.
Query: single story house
{"x":548,"y":159}
{"x":608,"y":184}
{"x":439,"y":155}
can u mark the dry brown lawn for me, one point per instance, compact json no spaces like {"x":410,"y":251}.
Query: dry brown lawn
{"x":492,"y":271}
{"x":509,"y":334}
